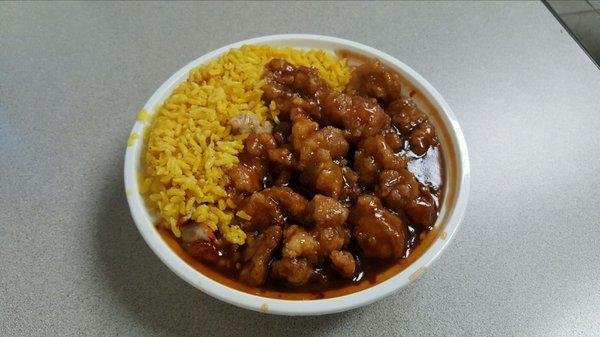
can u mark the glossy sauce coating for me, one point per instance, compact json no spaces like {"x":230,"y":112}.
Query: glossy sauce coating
{"x":368,"y":152}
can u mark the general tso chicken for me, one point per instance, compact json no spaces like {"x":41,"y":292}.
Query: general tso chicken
{"x":341,"y":185}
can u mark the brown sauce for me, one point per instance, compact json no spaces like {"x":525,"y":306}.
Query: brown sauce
{"x":436,"y":169}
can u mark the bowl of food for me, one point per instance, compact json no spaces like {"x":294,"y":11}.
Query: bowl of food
{"x":297,"y":174}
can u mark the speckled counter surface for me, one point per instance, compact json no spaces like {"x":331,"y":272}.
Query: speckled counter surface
{"x":72,"y":76}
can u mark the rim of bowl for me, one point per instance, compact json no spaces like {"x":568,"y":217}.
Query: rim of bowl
{"x":144,"y":222}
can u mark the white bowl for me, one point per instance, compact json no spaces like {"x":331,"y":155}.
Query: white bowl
{"x":451,"y":213}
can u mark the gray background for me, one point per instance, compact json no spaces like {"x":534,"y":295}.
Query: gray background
{"x":73,"y":75}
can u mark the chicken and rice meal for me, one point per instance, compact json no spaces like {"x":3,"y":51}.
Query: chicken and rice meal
{"x":293,"y":170}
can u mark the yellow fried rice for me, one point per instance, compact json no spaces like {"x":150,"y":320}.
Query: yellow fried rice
{"x":188,"y":146}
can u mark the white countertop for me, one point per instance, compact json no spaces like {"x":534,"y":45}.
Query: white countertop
{"x":525,"y":261}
